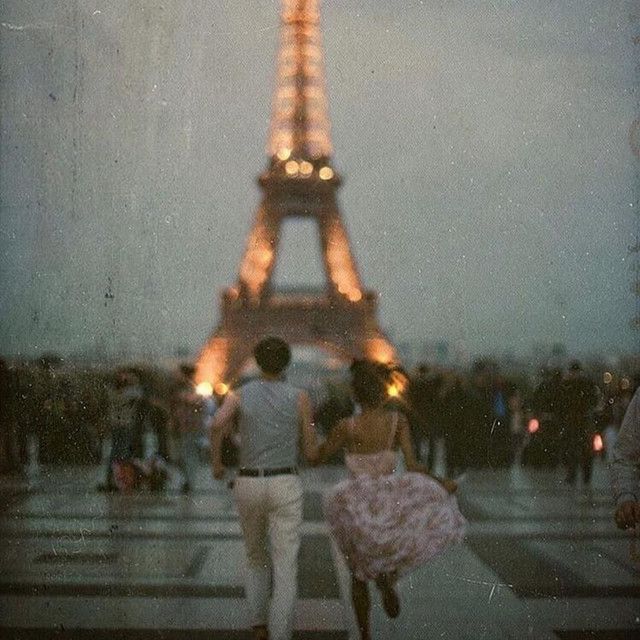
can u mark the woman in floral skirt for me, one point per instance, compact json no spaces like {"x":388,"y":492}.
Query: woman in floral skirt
{"x":384,"y":524}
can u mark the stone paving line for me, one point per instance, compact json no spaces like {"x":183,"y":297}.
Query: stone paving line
{"x":540,"y":561}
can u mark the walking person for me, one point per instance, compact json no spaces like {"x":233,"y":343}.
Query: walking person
{"x":274,"y":421}
{"x":384,"y":524}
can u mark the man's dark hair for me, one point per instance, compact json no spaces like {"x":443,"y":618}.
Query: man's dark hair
{"x":272,"y":355}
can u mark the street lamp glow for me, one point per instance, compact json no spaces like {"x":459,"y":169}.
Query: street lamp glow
{"x":284,"y":153}
{"x":291,"y":168}
{"x":306,"y":168}
{"x":598,"y":444}
{"x":221,"y":388}
{"x":204,"y":389}
{"x":393,"y":391}
{"x":326,"y":173}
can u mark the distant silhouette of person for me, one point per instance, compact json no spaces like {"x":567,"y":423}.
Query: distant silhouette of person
{"x":9,"y":446}
{"x":544,"y":449}
{"x":625,"y":467}
{"x":188,"y":412}
{"x":453,"y":418}
{"x":577,"y":400}
{"x":275,"y":423}
{"x":125,"y":407}
{"x":424,"y":421}
{"x":478,"y":415}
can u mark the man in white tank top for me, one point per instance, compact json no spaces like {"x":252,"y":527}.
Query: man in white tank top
{"x":274,"y":422}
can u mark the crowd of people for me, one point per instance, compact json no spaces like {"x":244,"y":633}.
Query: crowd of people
{"x":471,"y":419}
{"x":150,"y":423}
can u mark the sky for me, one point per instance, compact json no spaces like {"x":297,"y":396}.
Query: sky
{"x":490,"y":190}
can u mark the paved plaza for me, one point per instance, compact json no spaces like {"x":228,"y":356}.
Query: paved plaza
{"x":541,"y":560}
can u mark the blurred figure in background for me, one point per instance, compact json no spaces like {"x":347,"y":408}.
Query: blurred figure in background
{"x":578,"y":399}
{"x":188,"y":413}
{"x":517,"y":424}
{"x":452,"y":401}
{"x":125,"y":411}
{"x":544,"y":448}
{"x":9,"y":448}
{"x":610,"y":419}
{"x":625,"y":467}
{"x":500,"y":441}
{"x":478,"y":415}
{"x":424,"y":423}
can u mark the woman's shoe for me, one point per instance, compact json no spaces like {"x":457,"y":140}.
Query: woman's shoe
{"x":390,"y":601}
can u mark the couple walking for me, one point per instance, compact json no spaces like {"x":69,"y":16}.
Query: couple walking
{"x":384,"y":524}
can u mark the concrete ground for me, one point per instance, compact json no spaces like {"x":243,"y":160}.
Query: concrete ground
{"x":541,"y":560}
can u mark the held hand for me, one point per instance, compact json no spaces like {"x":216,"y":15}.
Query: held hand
{"x":627,"y":514}
{"x":450,"y":485}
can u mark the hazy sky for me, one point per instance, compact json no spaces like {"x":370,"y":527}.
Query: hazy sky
{"x":490,"y":190}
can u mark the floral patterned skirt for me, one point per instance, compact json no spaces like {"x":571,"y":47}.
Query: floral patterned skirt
{"x":392,"y":523}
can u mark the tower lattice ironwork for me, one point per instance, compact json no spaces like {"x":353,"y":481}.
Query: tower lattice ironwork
{"x":299,"y":182}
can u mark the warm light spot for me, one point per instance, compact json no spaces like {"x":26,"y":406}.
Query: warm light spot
{"x":306,"y":168}
{"x":204,"y":389}
{"x":607,"y":377}
{"x":625,"y":384}
{"x":221,"y":388}
{"x":393,"y":391}
{"x":354,"y":295}
{"x":284,"y":153}
{"x":379,"y":350}
{"x":399,"y":380}
{"x":292,"y":168}
{"x":598,"y":444}
{"x":534,"y":425}
{"x":326,"y":173}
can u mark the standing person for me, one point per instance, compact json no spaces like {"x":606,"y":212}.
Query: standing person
{"x":615,"y":407}
{"x":453,"y":412}
{"x":423,"y":396}
{"x":188,"y":412}
{"x":625,"y":467}
{"x":479,"y":415}
{"x":384,"y":524}
{"x":517,"y":424}
{"x":274,"y":421}
{"x":9,"y":455}
{"x":545,"y":448}
{"x":125,"y":414}
{"x":578,"y":398}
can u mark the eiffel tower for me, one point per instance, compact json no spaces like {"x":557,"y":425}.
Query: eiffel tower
{"x":299,"y":182}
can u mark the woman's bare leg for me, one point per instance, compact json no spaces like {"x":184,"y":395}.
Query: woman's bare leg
{"x":386,"y":583}
{"x":361,"y":605}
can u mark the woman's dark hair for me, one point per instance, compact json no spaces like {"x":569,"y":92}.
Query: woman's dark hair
{"x":368,"y":383}
{"x":272,"y":355}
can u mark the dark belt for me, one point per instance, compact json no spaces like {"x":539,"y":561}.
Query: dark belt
{"x":265,"y":473}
